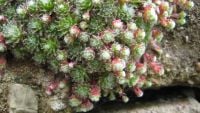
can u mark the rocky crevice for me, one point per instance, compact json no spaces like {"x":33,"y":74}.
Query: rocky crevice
{"x":181,"y":59}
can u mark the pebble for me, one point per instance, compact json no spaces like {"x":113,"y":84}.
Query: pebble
{"x":186,"y":39}
{"x":190,"y":82}
{"x":22,"y":99}
{"x":56,"y":104}
{"x":198,"y":66}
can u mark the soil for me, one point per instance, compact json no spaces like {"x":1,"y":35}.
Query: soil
{"x":181,"y":54}
{"x":30,"y":74}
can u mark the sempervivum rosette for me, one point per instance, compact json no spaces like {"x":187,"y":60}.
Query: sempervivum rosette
{"x":95,"y":47}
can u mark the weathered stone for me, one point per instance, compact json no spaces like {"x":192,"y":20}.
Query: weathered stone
{"x":22,"y":99}
{"x":188,"y":105}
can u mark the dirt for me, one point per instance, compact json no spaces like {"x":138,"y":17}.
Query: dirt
{"x":181,"y":54}
{"x":23,"y":73}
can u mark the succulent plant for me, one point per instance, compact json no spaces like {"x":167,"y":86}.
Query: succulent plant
{"x":12,"y":33}
{"x":83,"y":4}
{"x":82,"y":90}
{"x":46,"y":5}
{"x":74,"y":101}
{"x":79,"y":74}
{"x":95,"y":47}
{"x":95,"y":93}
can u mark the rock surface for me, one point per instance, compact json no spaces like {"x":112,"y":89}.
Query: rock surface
{"x":187,"y":105}
{"x":22,"y":99}
{"x":181,"y":57}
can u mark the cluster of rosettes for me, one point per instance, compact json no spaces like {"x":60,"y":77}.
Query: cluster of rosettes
{"x":98,"y":48}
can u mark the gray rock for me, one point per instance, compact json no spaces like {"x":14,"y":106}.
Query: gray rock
{"x":22,"y":99}
{"x":187,"y":105}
